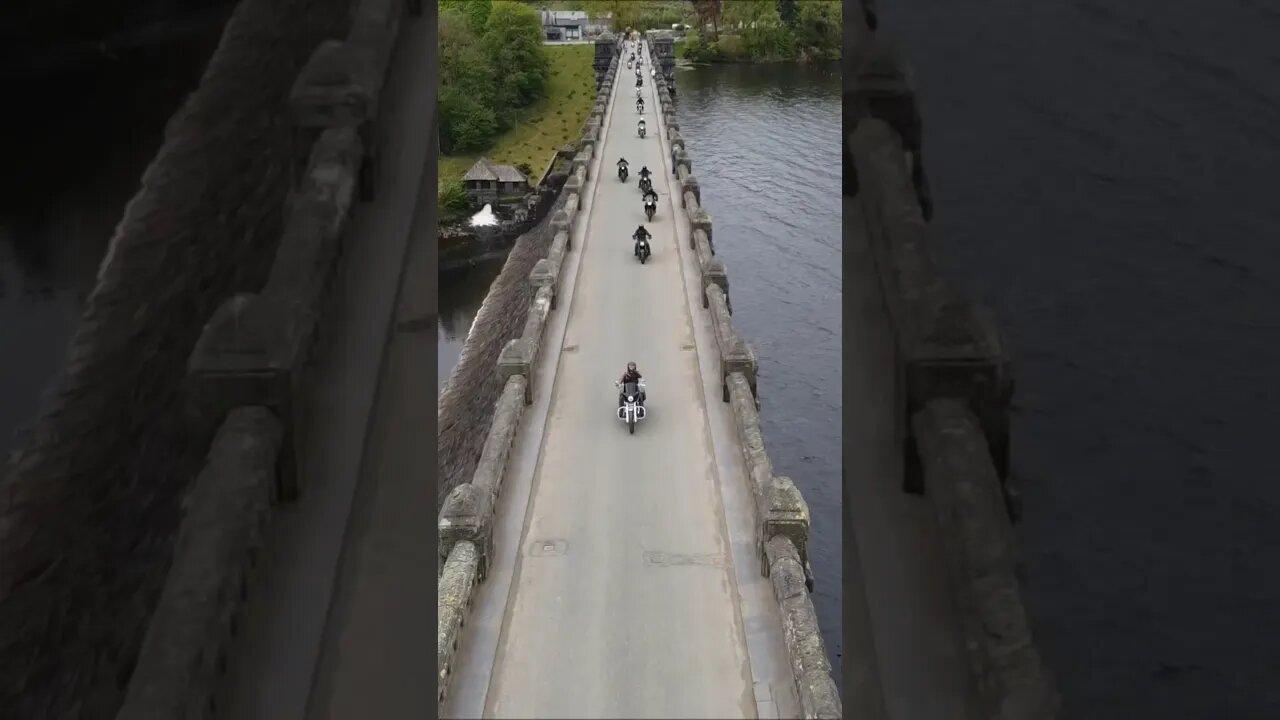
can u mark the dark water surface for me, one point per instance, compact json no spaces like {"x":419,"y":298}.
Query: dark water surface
{"x":765,"y":143}
{"x":74,"y":155}
{"x":1105,"y":179}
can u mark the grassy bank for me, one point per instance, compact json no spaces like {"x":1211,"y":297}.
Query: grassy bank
{"x":545,"y":126}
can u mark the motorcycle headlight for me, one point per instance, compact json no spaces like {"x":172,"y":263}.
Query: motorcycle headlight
{"x":631,"y":398}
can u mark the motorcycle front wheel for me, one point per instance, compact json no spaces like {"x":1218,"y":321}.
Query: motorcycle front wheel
{"x":632,"y":427}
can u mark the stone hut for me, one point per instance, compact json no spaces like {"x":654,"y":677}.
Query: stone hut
{"x":488,"y":182}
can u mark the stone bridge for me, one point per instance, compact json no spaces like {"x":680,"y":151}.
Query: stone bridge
{"x":589,"y":572}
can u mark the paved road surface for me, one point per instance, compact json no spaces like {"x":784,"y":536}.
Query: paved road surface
{"x":624,"y":600}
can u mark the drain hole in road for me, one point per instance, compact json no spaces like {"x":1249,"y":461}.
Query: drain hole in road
{"x":548,"y":548}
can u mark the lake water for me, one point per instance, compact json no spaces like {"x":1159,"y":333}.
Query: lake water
{"x":74,"y":156}
{"x":1105,"y":178}
{"x":765,"y":144}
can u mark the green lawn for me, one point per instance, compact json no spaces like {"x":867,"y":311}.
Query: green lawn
{"x":548,"y":124}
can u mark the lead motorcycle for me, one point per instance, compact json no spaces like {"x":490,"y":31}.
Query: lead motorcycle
{"x":642,"y":250}
{"x":632,"y":409}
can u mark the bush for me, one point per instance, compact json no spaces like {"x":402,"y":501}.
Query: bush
{"x":451,"y":195}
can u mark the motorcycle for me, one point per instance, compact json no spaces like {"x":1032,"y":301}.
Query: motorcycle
{"x":622,"y":173}
{"x":650,"y":207}
{"x":631,"y":411}
{"x":639,"y":82}
{"x":642,"y":250}
{"x":640,"y":106}
{"x":640,"y":128}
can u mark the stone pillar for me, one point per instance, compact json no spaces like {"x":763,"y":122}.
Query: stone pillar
{"x":883,"y":89}
{"x":606,"y":50}
{"x":664,"y":54}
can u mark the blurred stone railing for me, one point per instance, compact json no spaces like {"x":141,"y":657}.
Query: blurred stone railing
{"x":954,"y":385}
{"x":248,"y":373}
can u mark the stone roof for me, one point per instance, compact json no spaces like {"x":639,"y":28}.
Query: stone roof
{"x":486,"y":169}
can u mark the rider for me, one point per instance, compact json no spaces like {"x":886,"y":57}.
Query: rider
{"x":631,"y":375}
{"x":622,"y":162}
{"x":641,"y":234}
{"x":644,"y":170}
{"x":640,"y":125}
{"x":650,"y":196}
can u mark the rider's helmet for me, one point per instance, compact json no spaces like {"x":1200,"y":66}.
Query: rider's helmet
{"x":631,"y":367}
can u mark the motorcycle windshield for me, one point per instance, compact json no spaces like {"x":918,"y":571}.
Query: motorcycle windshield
{"x":630,"y":389}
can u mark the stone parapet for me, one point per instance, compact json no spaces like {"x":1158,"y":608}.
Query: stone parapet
{"x":455,"y":593}
{"x":229,"y":508}
{"x":819,"y":694}
{"x":1006,"y":669}
{"x":256,"y":349}
{"x":946,"y":345}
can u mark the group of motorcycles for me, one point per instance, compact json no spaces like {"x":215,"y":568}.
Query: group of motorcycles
{"x":631,"y":398}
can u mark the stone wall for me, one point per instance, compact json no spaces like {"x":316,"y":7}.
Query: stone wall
{"x":782,"y":516}
{"x":465,"y":406}
{"x":468,"y":515}
{"x":89,"y":506}
{"x":954,"y":385}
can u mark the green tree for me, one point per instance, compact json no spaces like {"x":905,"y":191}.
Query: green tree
{"x":513,"y":41}
{"x":466,"y":85}
{"x":819,"y":26}
{"x":477,"y":11}
{"x":708,"y":12}
{"x":750,"y":12}
{"x":787,"y":12}
{"x":466,"y":124}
